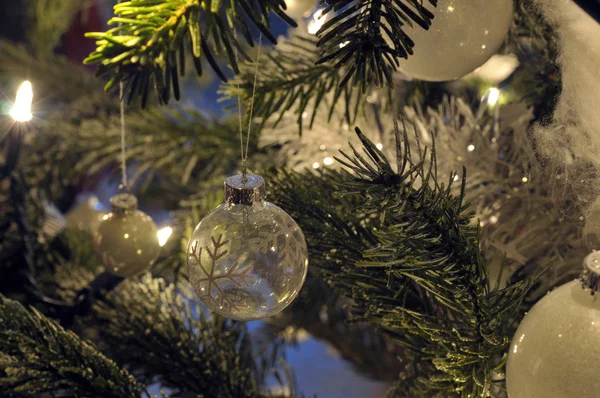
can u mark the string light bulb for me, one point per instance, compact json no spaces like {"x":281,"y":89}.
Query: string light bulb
{"x":21,"y":111}
{"x":163,"y":235}
{"x":493,"y":96}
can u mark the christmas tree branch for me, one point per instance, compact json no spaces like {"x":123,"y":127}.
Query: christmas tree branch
{"x":50,"y":19}
{"x":533,"y":39}
{"x":38,"y":356}
{"x":368,"y":37}
{"x":290,"y":81}
{"x":149,"y":45}
{"x":420,"y":276}
{"x":150,"y":323}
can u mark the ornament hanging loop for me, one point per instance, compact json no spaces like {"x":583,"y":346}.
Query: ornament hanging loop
{"x":244,"y":152}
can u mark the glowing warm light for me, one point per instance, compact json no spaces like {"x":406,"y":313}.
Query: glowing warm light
{"x":316,"y":23}
{"x":163,"y":235}
{"x":493,"y":96}
{"x":316,"y":165}
{"x":471,"y":148}
{"x":525,"y":179}
{"x":379,"y":146}
{"x":328,"y":161}
{"x":21,"y":111}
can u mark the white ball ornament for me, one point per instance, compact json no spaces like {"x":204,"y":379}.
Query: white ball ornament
{"x":299,"y":9}
{"x":248,"y":258}
{"x":462,"y":37}
{"x":126,"y":240}
{"x":555,"y":351}
{"x":86,"y":214}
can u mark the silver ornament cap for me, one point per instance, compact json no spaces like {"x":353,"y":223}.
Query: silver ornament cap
{"x":590,"y":278}
{"x":245,"y":190}
{"x":123,"y":203}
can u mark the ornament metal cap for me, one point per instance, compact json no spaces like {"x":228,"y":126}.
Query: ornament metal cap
{"x":123,"y":203}
{"x":245,"y":191}
{"x":590,"y":278}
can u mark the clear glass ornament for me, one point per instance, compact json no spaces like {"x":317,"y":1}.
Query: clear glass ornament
{"x":248,"y":258}
{"x":126,"y":240}
{"x":555,"y":351}
{"x":462,"y":37}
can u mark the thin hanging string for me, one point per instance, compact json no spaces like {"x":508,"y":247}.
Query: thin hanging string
{"x":123,"y":149}
{"x":123,"y":154}
{"x":245,"y":156}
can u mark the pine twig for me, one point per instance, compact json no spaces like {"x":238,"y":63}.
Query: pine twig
{"x":290,"y":81}
{"x":417,"y":274}
{"x":153,"y":37}
{"x":38,"y":356}
{"x":150,"y":323}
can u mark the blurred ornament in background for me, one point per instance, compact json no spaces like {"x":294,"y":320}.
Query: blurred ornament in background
{"x":127,"y":239}
{"x":248,"y":258}
{"x":555,"y":351}
{"x":54,"y":221}
{"x":299,"y":9}
{"x":86,"y":214}
{"x":462,"y":37}
{"x":496,"y":69}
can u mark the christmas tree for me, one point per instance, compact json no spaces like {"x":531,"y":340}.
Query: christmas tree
{"x":437,"y":159}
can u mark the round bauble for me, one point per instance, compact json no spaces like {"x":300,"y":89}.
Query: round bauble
{"x":555,"y":351}
{"x":85,"y":215}
{"x":462,"y":37}
{"x":248,"y":258}
{"x":126,"y":240}
{"x":299,"y":9}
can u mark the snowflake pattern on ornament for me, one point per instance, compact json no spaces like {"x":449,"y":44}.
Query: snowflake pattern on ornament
{"x":288,"y":242}
{"x":208,"y":283}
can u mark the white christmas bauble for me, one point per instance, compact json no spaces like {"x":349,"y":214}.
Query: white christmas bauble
{"x":126,"y":240}
{"x":298,"y":9}
{"x":85,"y":215}
{"x":462,"y":37}
{"x":248,"y":258}
{"x":556,"y":349}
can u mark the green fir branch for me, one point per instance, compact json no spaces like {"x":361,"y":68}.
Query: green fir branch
{"x":291,"y":81}
{"x":368,"y":37}
{"x":38,"y":356}
{"x":413,"y":268}
{"x":50,"y":19}
{"x":149,"y":45}
{"x":150,"y":324}
{"x":56,"y":81}
{"x":534,"y":40}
